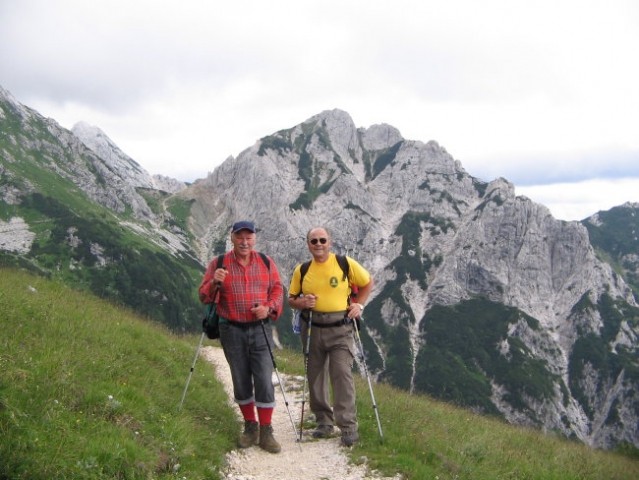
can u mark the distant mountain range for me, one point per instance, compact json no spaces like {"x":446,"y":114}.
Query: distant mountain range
{"x":482,"y":298}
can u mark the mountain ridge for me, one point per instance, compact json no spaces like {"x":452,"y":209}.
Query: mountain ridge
{"x":435,"y":236}
{"x":550,"y":328}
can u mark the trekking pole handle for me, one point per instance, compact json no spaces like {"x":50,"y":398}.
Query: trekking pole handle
{"x":309,"y":300}
{"x":218,"y":283}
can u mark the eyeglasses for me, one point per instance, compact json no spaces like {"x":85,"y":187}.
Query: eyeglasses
{"x":320,"y":240}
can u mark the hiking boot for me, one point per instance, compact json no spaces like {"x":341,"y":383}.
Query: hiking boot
{"x":349,"y":438}
{"x":267,"y":441}
{"x":250,"y":435}
{"x":323,"y":431}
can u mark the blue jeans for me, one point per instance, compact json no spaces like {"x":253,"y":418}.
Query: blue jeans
{"x":247,"y":354}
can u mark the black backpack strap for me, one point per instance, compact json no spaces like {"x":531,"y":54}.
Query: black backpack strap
{"x":303,"y":269}
{"x":344,"y":265}
{"x":266,"y":261}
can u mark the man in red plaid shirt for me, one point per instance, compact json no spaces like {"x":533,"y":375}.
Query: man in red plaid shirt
{"x":250,"y":294}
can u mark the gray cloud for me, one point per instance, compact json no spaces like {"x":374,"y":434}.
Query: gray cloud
{"x":537,"y":92}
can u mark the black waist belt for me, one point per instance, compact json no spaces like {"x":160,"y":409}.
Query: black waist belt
{"x":338,"y":318}
{"x":246,"y":325}
{"x":343,"y":321}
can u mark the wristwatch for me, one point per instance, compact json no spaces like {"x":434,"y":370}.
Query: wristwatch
{"x":361,"y":307}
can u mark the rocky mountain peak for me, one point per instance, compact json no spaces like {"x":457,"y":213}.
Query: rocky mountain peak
{"x":481,"y":297}
{"x":123,"y":166}
{"x":380,"y":137}
{"x":435,"y":239}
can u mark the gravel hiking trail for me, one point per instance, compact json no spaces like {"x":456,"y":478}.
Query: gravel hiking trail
{"x":309,"y":460}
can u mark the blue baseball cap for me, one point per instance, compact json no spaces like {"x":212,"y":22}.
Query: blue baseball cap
{"x":243,"y":225}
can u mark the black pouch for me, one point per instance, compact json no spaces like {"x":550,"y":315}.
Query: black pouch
{"x":211,"y":323}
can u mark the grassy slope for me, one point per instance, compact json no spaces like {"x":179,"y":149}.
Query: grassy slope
{"x":88,"y":390}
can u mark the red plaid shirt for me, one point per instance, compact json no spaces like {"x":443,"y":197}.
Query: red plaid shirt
{"x":243,"y":287}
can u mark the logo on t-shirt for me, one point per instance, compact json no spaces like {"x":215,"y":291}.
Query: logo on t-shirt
{"x":333,"y":282}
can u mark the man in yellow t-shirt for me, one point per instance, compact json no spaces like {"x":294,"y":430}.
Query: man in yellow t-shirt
{"x":323,"y":297}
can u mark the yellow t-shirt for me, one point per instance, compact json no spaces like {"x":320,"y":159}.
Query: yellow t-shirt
{"x":325,"y":281}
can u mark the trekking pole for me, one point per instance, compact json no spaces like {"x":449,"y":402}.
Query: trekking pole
{"x":306,"y":355}
{"x":368,"y":378}
{"x":188,"y":380}
{"x":212,"y":306}
{"x":279,"y":380}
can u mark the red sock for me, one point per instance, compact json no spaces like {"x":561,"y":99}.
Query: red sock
{"x":248,"y":411}
{"x":265,"y":415}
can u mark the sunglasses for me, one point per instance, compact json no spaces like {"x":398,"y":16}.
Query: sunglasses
{"x":320,"y":240}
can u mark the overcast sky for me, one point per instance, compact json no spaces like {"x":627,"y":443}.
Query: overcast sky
{"x":543,"y":93}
